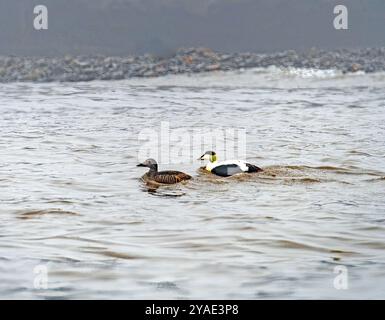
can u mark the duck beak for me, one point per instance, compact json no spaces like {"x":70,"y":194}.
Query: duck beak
{"x":140,"y":165}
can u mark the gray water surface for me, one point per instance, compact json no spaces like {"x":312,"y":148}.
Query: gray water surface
{"x":72,"y":201}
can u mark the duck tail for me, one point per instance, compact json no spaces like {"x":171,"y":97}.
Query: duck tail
{"x":253,"y":168}
{"x":185,"y":176}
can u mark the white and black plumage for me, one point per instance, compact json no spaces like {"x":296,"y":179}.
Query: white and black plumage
{"x":165,"y":177}
{"x":227,"y":168}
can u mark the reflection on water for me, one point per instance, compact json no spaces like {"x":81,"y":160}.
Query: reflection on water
{"x":72,"y":199}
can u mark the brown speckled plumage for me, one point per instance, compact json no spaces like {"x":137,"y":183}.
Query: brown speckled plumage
{"x":168,"y":177}
{"x":165,"y":177}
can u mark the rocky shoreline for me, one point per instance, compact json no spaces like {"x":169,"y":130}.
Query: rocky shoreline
{"x":186,"y":61}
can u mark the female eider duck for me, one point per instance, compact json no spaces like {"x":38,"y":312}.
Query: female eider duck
{"x":165,"y":177}
{"x":227,"y":168}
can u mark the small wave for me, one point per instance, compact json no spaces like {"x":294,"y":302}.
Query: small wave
{"x":290,"y":244}
{"x":291,"y":174}
{"x":311,"y":73}
{"x":325,"y":168}
{"x":360,"y":153}
{"x":38,"y":213}
{"x":118,"y":255}
{"x":304,"y":180}
{"x":376,"y":179}
{"x":351,"y":170}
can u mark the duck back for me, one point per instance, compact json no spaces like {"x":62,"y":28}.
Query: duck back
{"x":168,"y":177}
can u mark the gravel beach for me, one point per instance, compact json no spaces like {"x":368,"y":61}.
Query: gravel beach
{"x":192,"y":60}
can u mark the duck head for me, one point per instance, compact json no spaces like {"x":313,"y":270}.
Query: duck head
{"x":209,"y":155}
{"x":149,"y":163}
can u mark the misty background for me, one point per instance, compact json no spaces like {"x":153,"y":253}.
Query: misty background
{"x":121,"y":27}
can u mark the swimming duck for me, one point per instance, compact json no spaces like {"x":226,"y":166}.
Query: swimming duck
{"x":166,"y":177}
{"x":227,"y":168}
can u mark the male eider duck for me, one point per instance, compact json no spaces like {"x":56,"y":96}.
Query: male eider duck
{"x":227,"y":168}
{"x":166,"y":177}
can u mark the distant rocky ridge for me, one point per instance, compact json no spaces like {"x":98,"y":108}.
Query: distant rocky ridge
{"x":184,"y":61}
